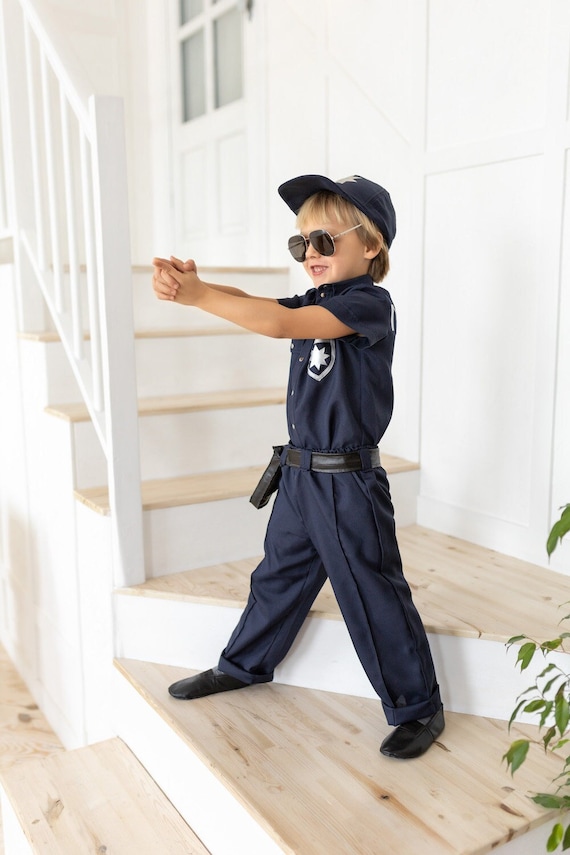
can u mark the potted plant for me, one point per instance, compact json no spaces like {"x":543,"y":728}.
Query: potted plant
{"x":549,"y":701}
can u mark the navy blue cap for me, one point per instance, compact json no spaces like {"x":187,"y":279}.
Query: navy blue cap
{"x":365,"y":195}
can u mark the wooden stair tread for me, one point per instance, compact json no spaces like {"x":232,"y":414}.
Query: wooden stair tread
{"x":186,"y":490}
{"x":221,"y":585}
{"x":459,"y":588}
{"x":204,"y":487}
{"x":190,"y":403}
{"x":495,"y":596}
{"x":50,"y":336}
{"x":96,"y":799}
{"x":256,"y":270}
{"x":306,"y":765}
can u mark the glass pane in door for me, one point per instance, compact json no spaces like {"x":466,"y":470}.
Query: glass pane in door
{"x":228,"y":61}
{"x":193,"y":86}
{"x":189,"y":9}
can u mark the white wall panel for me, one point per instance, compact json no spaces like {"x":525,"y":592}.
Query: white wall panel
{"x":482,"y":285}
{"x":296,"y":107}
{"x":195,"y":208}
{"x":372,"y":44}
{"x":232,"y":169}
{"x":488,"y":69}
{"x":561,"y":459}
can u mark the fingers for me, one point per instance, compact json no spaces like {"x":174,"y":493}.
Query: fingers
{"x":169,"y":278}
{"x":188,"y":266}
{"x":164,"y":283}
{"x":162,"y":289}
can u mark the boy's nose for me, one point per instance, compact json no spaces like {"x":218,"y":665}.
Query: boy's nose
{"x":311,"y":251}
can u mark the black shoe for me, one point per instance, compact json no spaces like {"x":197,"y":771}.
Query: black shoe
{"x":413,"y":738}
{"x":207,"y":683}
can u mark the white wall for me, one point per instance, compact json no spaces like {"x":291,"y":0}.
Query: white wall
{"x":496,"y":142}
{"x":561,"y":450}
{"x":3,"y":194}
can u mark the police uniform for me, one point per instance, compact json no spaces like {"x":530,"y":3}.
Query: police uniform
{"x":333,"y":515}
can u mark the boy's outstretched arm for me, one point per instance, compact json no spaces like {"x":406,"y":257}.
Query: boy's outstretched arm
{"x":258,"y":314}
{"x":190,"y":265}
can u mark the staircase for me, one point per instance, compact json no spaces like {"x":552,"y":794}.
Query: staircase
{"x":292,"y":766}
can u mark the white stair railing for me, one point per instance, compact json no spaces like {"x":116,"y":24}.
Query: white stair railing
{"x":68,"y":210}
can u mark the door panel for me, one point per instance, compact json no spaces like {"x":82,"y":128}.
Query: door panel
{"x":213,"y":146}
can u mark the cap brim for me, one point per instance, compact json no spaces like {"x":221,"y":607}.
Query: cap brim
{"x":298,"y":190}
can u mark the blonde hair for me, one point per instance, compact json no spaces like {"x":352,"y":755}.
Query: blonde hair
{"x":326,"y":206}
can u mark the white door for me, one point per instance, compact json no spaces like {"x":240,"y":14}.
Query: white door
{"x":217,"y":130}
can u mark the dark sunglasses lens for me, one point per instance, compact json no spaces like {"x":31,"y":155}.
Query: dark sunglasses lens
{"x":322,"y":241}
{"x":297,"y":247}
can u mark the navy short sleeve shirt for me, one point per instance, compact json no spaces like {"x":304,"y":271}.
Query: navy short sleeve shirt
{"x":340,"y":393}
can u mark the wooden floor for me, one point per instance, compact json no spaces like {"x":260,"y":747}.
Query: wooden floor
{"x":24,"y":732}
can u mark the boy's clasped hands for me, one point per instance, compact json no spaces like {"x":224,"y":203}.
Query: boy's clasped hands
{"x":177,"y":280}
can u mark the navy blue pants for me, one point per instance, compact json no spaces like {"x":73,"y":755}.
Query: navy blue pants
{"x":340,"y":526}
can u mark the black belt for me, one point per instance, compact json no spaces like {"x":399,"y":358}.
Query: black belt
{"x":350,"y":461}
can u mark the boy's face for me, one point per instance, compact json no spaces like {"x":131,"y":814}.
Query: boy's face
{"x":351,"y":257}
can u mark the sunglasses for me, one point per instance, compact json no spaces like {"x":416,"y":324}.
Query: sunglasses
{"x":320,"y":240}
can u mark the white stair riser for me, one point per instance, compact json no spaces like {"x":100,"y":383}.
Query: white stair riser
{"x":171,"y":366}
{"x":45,"y":365}
{"x":151,"y":313}
{"x":222,"y":823}
{"x":531,"y":843}
{"x":476,"y":676}
{"x":15,"y":841}
{"x":187,"y":443}
{"x":210,"y":441}
{"x":190,"y":536}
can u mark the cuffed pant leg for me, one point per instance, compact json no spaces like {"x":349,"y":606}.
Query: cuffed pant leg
{"x":350,"y":520}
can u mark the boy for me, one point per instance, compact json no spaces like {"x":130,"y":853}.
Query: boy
{"x":332,"y":515}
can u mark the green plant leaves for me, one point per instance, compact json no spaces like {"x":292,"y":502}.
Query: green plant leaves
{"x":526,"y":654}
{"x":561,"y":711}
{"x":551,"y":645}
{"x":549,"y":700}
{"x":516,"y":754}
{"x":558,"y":836}
{"x":555,"y":838}
{"x":547,"y":800}
{"x":558,"y":530}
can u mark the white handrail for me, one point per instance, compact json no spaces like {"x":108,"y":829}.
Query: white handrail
{"x":74,"y":142}
{"x":65,"y":65}
{"x":32,"y":100}
{"x":91,"y":275}
{"x":73,"y":258}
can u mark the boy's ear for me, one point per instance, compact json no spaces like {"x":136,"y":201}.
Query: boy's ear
{"x":372,"y":250}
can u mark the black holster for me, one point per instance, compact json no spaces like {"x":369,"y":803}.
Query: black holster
{"x":269,"y":481}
